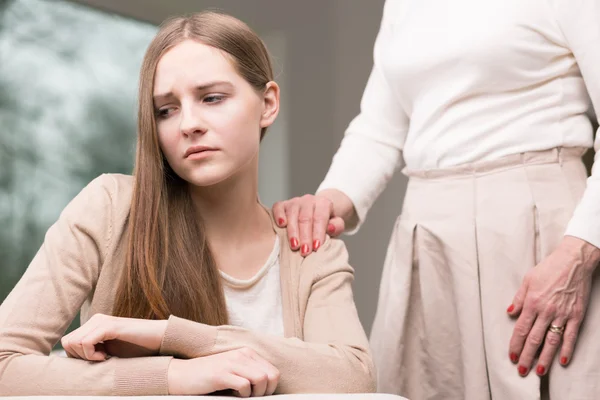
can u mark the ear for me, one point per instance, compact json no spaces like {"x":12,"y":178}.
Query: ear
{"x":270,"y":104}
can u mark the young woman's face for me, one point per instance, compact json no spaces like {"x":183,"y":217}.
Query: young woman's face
{"x":208,"y":117}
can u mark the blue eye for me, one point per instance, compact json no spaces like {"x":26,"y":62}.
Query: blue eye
{"x":214,"y":99}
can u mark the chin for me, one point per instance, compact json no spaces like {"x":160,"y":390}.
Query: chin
{"x":205,"y":179}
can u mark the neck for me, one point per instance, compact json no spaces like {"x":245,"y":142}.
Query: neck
{"x":231,"y":213}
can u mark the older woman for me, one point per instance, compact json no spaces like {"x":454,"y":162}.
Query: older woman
{"x":486,"y":103}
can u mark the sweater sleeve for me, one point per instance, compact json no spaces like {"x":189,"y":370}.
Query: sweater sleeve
{"x":45,"y":301}
{"x":371,"y":150}
{"x":578,"y":21}
{"x":334,"y":355}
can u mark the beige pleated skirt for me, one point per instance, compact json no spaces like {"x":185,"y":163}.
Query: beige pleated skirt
{"x":459,"y":252}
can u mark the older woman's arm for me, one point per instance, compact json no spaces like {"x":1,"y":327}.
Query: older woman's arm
{"x":556,"y":292}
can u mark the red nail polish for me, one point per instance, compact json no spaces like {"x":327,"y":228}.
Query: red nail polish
{"x":510,"y":308}
{"x":563,"y":361}
{"x":540,"y":370}
{"x":514,"y":357}
{"x":294,"y":243}
{"x":316,"y":244}
{"x":330,"y":228}
{"x":280,"y":221}
{"x":304,"y":248}
{"x":522,"y":370}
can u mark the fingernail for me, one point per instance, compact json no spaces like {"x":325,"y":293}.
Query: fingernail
{"x":564,"y":360}
{"x":510,"y":308}
{"x":330,"y":228}
{"x":294,"y":243}
{"x":522,"y":370}
{"x":280,"y":221}
{"x":316,"y":244}
{"x":304,"y":249}
{"x":540,"y":370}
{"x":514,"y":357}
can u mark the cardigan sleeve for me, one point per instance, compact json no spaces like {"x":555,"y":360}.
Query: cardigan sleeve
{"x":45,"y":301}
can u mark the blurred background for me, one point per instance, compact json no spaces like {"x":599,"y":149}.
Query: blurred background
{"x":68,"y":82}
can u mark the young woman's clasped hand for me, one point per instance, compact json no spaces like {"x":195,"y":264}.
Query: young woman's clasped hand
{"x":105,"y":336}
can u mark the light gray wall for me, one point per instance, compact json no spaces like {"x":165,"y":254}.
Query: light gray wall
{"x":326,"y":56}
{"x":357,"y":23}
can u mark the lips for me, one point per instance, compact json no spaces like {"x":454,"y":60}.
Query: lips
{"x":196,"y":150}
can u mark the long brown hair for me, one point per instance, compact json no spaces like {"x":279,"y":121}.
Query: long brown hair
{"x":169,"y":266}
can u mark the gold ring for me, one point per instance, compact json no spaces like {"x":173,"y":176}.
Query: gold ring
{"x":557,"y":329}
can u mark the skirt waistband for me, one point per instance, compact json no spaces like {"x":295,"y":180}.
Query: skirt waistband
{"x":555,"y":155}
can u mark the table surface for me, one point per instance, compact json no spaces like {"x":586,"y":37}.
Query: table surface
{"x":366,"y":396}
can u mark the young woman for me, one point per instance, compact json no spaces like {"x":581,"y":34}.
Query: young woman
{"x":178,"y":271}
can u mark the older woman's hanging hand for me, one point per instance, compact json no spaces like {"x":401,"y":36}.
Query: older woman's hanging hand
{"x":551,"y":304}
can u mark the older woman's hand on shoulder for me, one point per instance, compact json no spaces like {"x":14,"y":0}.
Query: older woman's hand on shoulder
{"x":309,"y":218}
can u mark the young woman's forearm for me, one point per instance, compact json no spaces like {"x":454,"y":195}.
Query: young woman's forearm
{"x":41,"y":375}
{"x":342,"y":367}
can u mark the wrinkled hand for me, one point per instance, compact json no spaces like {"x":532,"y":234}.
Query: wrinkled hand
{"x":241,"y":370}
{"x":308,"y":219}
{"x":105,"y":335}
{"x":555,"y":292}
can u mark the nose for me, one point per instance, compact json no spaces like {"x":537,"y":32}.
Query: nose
{"x":191,"y":121}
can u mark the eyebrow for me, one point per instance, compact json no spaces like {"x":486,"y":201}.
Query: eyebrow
{"x":199,"y":88}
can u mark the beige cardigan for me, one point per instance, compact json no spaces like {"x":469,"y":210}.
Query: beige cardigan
{"x":325,"y":348}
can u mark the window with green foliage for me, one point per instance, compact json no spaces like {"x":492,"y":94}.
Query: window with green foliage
{"x":68,"y":89}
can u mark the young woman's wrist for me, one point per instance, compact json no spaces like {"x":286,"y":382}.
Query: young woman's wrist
{"x":148,"y":334}
{"x":173,"y":384}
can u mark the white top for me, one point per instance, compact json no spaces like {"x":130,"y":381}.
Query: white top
{"x":462,"y":81}
{"x":255,"y":303}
